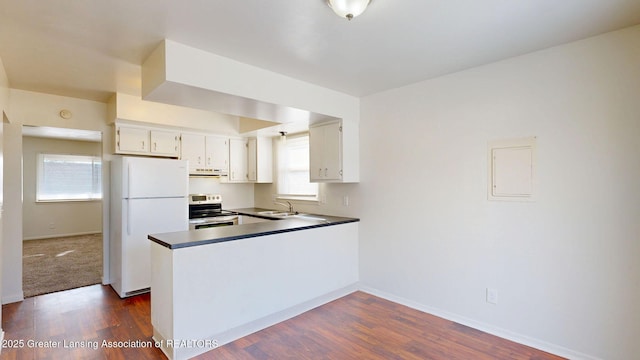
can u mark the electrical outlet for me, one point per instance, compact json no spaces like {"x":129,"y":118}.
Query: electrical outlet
{"x":52,"y":225}
{"x":345,"y":200}
{"x":492,"y":296}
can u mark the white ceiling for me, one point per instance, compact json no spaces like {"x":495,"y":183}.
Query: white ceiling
{"x":93,"y":48}
{"x":62,"y":133}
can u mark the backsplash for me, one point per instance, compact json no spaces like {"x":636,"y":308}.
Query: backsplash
{"x":233,"y":195}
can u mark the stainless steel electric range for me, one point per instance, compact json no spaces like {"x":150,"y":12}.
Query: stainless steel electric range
{"x":205,"y":211}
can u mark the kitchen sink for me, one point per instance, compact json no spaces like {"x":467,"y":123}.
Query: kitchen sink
{"x":309,"y":217}
{"x":275,"y":213}
{"x":284,"y":214}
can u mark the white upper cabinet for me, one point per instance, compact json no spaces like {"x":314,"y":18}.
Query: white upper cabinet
{"x":207,"y":155}
{"x":146,"y":141}
{"x":238,"y":160}
{"x":251,"y":160}
{"x":260,"y":160}
{"x":132,"y":140}
{"x":217,"y":151}
{"x":193,"y":148}
{"x":334,"y":151}
{"x":325,"y":152}
{"x":165,"y":143}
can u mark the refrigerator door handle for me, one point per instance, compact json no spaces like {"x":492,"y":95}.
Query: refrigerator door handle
{"x":128,"y":218}
{"x":129,"y":176}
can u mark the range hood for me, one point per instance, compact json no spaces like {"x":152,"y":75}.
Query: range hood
{"x":210,"y":173}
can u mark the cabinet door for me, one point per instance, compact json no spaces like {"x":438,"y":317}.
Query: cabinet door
{"x":238,"y":160}
{"x":332,"y":152}
{"x":217,"y":153}
{"x":132,"y":140}
{"x":316,"y":146}
{"x":325,"y":152}
{"x":252,"y":159}
{"x":193,"y":148}
{"x":264,"y":160}
{"x":164,"y":143}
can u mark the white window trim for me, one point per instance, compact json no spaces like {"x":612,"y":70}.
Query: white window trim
{"x":299,"y":198}
{"x":309,"y":199}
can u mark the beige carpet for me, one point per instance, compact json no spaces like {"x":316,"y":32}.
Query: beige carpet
{"x":57,"y":264}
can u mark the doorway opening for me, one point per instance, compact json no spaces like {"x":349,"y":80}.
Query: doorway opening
{"x":62,"y":209}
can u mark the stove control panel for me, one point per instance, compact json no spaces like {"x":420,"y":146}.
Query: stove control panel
{"x":205,"y":199}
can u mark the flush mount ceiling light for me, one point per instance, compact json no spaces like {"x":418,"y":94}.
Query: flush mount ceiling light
{"x":348,"y":9}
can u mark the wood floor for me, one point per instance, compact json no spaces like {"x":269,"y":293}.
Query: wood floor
{"x":358,"y":326}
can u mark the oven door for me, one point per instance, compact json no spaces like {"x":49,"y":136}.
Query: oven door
{"x":205,"y":223}
{"x":201,"y":211}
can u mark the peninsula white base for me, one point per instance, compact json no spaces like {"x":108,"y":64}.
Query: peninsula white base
{"x":205,"y":296}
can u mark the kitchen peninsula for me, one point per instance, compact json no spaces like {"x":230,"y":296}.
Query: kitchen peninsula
{"x":212,"y":286}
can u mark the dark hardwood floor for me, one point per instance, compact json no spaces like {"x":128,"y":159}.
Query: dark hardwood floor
{"x":83,"y":316}
{"x":362,"y":326}
{"x":358,"y":326}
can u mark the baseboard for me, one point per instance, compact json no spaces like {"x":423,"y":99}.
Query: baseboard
{"x":265,"y":322}
{"x":493,"y":330}
{"x":13,"y":298}
{"x":254,"y":326}
{"x":60,"y":235}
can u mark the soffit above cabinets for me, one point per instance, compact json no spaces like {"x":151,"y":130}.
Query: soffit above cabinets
{"x":181,"y":75}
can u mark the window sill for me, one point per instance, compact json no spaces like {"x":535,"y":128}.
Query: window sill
{"x":66,"y":200}
{"x":305,"y":199}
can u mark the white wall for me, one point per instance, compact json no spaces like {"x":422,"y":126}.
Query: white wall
{"x":37,"y":109}
{"x":567,"y":266}
{"x":332,"y":195}
{"x":234,"y":196}
{"x":52,"y":219}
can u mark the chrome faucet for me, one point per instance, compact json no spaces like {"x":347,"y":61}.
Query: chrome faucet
{"x":288,"y":204}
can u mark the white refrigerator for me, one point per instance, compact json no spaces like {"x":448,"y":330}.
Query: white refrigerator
{"x":148,"y":196}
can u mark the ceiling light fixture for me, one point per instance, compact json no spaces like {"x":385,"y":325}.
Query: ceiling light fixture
{"x":348,"y":9}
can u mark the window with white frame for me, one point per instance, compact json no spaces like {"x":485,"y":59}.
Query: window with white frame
{"x":64,"y":177}
{"x":293,"y":168}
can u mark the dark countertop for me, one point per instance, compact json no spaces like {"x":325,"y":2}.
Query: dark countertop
{"x":182,"y":239}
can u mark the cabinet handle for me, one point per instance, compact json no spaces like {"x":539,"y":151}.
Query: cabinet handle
{"x":198,"y":160}
{"x":209,"y":161}
{"x":142,"y":145}
{"x":325,"y":172}
{"x":320,"y":172}
{"x":155,"y":146}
